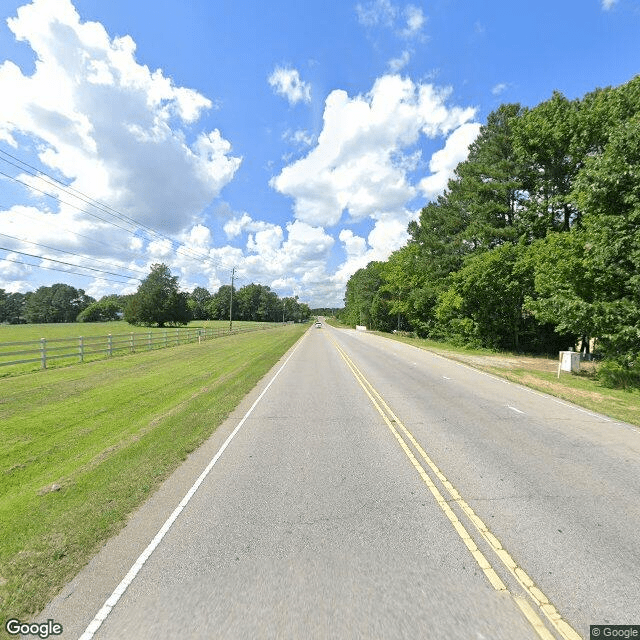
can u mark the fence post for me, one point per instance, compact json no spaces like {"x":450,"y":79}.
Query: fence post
{"x":149,"y":339}
{"x":43,"y":352}
{"x":132,"y":343}
{"x":81,"y":349}
{"x":177,"y":335}
{"x":110,"y":345}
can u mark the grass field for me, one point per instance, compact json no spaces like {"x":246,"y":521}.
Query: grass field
{"x":23,"y":332}
{"x":20,"y":343}
{"x":81,"y":447}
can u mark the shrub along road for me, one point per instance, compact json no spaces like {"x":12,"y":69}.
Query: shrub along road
{"x":376,"y":490}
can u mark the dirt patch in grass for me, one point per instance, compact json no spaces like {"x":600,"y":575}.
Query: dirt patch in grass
{"x":551,"y":387}
{"x":516,"y":362}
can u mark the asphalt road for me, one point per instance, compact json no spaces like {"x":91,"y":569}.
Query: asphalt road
{"x":375,"y":490}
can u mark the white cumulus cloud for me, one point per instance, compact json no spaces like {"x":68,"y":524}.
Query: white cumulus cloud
{"x":363,"y":156}
{"x":444,"y":161}
{"x":112,"y":128}
{"x":108,"y":124}
{"x":367,"y":165}
{"x":245,"y":224}
{"x":286,"y":82}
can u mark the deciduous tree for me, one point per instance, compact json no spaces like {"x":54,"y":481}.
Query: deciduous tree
{"x":158,"y":300}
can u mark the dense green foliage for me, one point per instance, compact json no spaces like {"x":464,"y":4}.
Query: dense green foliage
{"x":255,"y":302}
{"x":158,"y":300}
{"x":106,"y":309}
{"x":57,"y":303}
{"x":12,"y":307}
{"x":535,"y":244}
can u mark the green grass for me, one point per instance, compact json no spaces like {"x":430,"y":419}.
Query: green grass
{"x":24,"y":332}
{"x":106,"y":433}
{"x":63,"y":338}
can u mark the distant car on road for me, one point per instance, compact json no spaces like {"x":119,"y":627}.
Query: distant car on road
{"x":318,"y":325}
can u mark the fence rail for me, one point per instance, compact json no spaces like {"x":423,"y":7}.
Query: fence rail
{"x":45,"y":350}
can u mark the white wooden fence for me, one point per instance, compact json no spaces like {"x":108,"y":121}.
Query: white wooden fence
{"x":45,"y":350}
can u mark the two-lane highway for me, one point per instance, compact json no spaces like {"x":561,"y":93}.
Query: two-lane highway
{"x":368,"y":489}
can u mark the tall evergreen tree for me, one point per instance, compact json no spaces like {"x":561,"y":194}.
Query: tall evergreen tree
{"x":489,"y":185}
{"x":551,"y":155}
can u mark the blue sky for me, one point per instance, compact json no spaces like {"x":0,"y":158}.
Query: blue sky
{"x":290,"y":141}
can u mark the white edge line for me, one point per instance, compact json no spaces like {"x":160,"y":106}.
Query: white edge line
{"x":112,"y":600}
{"x":535,"y":392}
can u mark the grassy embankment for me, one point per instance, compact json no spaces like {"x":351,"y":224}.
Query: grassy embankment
{"x":540,"y":373}
{"x":81,"y":447}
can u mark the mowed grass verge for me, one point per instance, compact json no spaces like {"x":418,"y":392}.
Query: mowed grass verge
{"x":51,"y":331}
{"x":62,"y":341}
{"x":81,"y":447}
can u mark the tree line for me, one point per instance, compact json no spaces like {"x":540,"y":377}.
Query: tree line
{"x":535,"y":244}
{"x":158,"y":301}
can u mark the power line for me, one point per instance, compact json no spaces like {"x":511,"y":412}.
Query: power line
{"x":37,"y":173}
{"x":75,"y":273}
{"x":50,"y":195}
{"x":132,"y":225}
{"x":69,"y":190}
{"x":78,"y":255}
{"x":77,"y":266}
{"x":58,"y":227}
{"x":176,"y":246}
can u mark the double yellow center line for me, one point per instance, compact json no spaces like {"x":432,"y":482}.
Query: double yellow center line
{"x":535,"y":595}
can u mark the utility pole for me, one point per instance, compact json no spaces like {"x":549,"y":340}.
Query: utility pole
{"x":233,"y":272}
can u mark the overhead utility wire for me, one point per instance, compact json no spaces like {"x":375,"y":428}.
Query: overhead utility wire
{"x":75,"y":273}
{"x":71,"y":253}
{"x":121,"y":249}
{"x":178,"y":249}
{"x":50,"y":195}
{"x":95,"y":203}
{"x":77,"y":266}
{"x":69,"y":190}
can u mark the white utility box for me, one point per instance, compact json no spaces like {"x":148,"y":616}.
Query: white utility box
{"x":569,"y":361}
